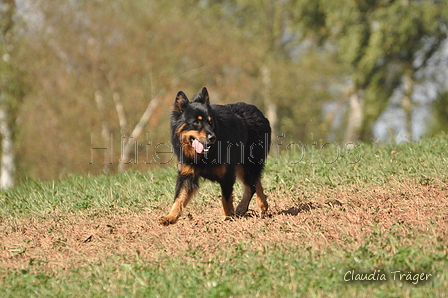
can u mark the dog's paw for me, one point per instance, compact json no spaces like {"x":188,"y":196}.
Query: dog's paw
{"x":240,"y":212}
{"x":167,"y":220}
{"x":265,"y":215}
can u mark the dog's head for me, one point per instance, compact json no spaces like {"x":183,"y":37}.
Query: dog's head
{"x":193,"y":123}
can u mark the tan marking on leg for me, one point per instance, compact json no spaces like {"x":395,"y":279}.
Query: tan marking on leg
{"x":261,"y":198}
{"x":179,"y":205}
{"x":239,"y":172}
{"x":227,"y":206}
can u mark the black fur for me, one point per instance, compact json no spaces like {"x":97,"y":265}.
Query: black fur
{"x":231,"y":140}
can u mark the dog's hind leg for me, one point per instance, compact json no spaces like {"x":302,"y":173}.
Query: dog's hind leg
{"x":261,"y":197}
{"x":248,"y":192}
{"x":243,"y":206}
{"x":251,"y":185}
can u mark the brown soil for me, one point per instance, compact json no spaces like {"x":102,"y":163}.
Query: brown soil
{"x":332,"y":217}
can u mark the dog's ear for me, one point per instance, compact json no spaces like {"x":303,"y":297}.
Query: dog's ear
{"x":180,"y":102}
{"x":202,"y":96}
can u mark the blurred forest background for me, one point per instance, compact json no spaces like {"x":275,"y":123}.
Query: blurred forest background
{"x":83,"y":74}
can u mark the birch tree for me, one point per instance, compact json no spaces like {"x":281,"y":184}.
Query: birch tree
{"x":7,"y":8}
{"x":380,"y":42}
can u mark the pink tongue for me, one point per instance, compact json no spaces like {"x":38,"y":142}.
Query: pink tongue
{"x":197,"y":146}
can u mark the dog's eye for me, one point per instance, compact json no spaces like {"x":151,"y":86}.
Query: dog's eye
{"x":196,"y":122}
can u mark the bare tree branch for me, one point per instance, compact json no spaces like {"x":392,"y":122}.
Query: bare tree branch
{"x":138,"y":130}
{"x":120,"y":112}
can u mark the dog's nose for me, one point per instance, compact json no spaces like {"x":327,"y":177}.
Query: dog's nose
{"x":211,"y":138}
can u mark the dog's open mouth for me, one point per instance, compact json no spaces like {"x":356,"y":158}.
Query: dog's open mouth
{"x":199,"y":146}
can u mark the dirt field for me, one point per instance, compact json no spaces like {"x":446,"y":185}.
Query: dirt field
{"x":330,"y":218}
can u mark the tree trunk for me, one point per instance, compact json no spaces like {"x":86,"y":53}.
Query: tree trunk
{"x":105,"y":133}
{"x":270,"y":106}
{"x":7,"y":160}
{"x":355,"y":115}
{"x":406,"y":104}
{"x":7,"y":9}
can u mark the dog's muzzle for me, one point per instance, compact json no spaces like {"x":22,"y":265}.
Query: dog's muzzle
{"x":203,"y":145}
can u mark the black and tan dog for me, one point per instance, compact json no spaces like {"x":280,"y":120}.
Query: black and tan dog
{"x":219,"y":143}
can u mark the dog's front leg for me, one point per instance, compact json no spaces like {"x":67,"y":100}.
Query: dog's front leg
{"x":186,"y":186}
